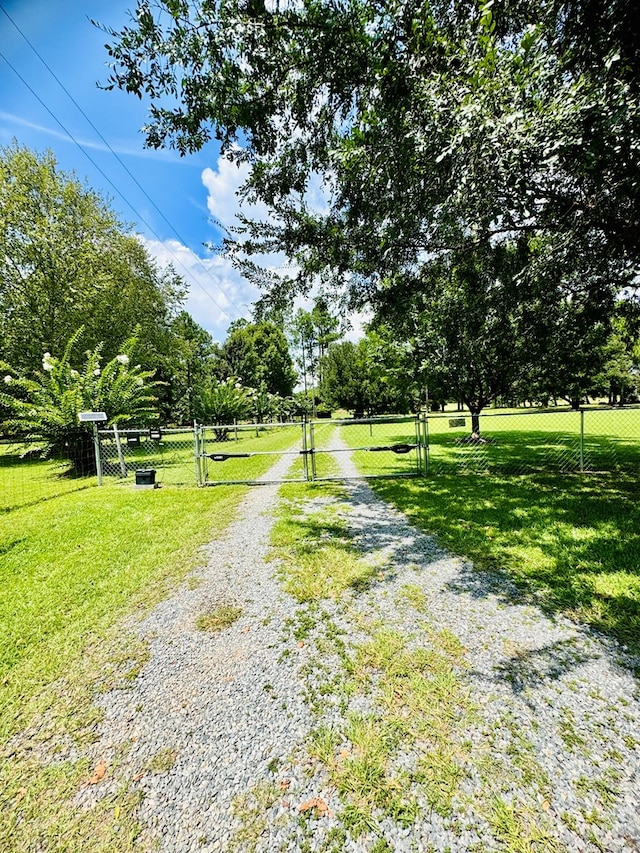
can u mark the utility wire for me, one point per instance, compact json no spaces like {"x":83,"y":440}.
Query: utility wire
{"x":96,"y":166}
{"x":106,"y":143}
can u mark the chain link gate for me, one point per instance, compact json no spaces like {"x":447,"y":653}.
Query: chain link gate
{"x":264,"y":453}
{"x":351,"y":448}
{"x":321,"y":450}
{"x":315,"y":450}
{"x":247,"y":453}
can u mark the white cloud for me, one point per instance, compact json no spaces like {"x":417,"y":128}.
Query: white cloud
{"x":223,"y":201}
{"x":217,"y":294}
{"x":14,"y":121}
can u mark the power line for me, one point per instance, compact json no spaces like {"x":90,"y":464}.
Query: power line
{"x":96,"y":166}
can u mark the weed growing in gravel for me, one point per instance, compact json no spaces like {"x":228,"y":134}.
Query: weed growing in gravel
{"x":252,"y":810}
{"x":414,"y":596}
{"x":506,"y":763}
{"x":518,"y":828}
{"x":218,"y":618}
{"x":162,"y":761}
{"x":38,"y":811}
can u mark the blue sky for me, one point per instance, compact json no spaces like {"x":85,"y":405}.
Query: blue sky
{"x":170,"y":200}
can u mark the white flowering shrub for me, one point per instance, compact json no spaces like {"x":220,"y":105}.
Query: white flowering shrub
{"x":222,"y":402}
{"x":45,"y":408}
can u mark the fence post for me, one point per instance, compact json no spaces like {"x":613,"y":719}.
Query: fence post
{"x":96,"y":445}
{"x":123,"y":466}
{"x":581,"y":441}
{"x":196,"y":446}
{"x":311,"y":450}
{"x":425,"y":435}
{"x":305,"y":461}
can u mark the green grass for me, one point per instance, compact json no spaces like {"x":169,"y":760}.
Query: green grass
{"x":25,"y":481}
{"x":70,"y":570}
{"x":313,"y":546}
{"x":521,"y":441}
{"x":518,"y":505}
{"x":572,"y":541}
{"x":218,"y":618}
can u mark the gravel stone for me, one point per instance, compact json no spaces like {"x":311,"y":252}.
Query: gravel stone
{"x":231,"y":711}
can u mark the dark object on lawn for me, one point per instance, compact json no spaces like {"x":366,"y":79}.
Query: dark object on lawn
{"x":323,"y":413}
{"x":474,"y":438}
{"x":133,"y":439}
{"x":146,"y":478}
{"x":155,"y":433}
{"x":456,"y":422}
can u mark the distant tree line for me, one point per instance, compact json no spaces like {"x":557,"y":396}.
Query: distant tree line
{"x":89,"y":321}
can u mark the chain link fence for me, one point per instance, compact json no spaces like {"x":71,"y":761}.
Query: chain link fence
{"x":27,"y":479}
{"x":519,"y":441}
{"x":171,"y":453}
{"x":529,"y":441}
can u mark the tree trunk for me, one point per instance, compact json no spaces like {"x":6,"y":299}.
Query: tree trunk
{"x":80,"y":451}
{"x":475,"y":424}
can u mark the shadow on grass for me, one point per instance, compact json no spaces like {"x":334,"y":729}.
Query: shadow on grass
{"x":535,"y":667}
{"x":570,"y":543}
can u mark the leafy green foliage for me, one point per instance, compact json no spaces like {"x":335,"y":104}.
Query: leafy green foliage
{"x":449,"y":136}
{"x":67,"y":261}
{"x":223,"y":402}
{"x":257,"y":354}
{"x":46,"y":408}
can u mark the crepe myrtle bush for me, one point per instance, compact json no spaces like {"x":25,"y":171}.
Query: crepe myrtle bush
{"x":221,"y":402}
{"x":43,"y":410}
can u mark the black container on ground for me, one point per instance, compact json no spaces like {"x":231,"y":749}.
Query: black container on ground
{"x":146,"y":477}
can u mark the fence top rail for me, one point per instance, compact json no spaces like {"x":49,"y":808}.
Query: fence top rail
{"x":246,"y":425}
{"x":145,"y":430}
{"x":489,"y":413}
{"x":378,"y":419}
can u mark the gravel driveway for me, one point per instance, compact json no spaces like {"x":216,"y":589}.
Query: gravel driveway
{"x":217,"y":727}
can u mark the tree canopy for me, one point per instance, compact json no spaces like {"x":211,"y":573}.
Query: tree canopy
{"x":257,"y":355}
{"x":436,"y":126}
{"x":67,"y":261}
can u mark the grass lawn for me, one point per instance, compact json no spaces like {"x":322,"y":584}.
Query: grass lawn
{"x":572,"y":540}
{"x":518,"y":506}
{"x":25,"y":481}
{"x":70,"y":569}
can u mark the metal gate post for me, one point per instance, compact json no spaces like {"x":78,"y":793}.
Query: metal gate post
{"x":581,"y":441}
{"x":312,"y":447}
{"x":425,"y":435}
{"x":418,"y":445}
{"x":305,"y":461}
{"x":196,"y":450}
